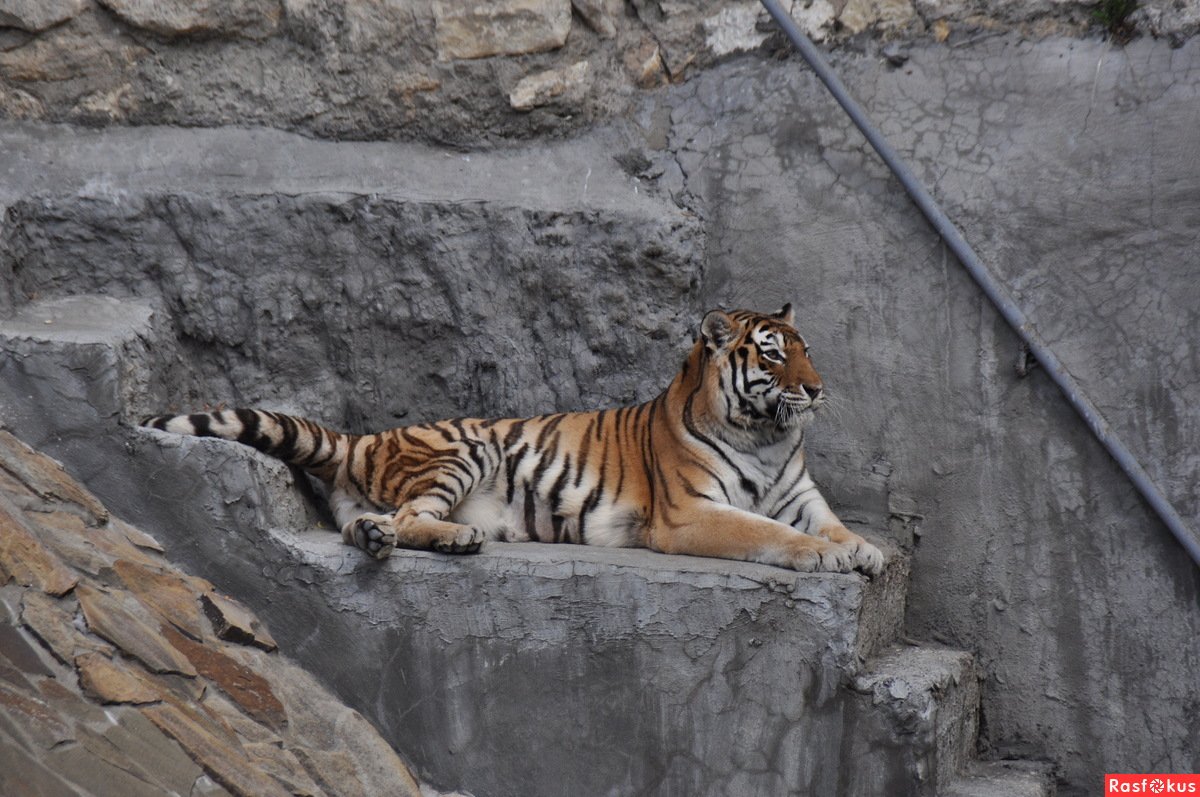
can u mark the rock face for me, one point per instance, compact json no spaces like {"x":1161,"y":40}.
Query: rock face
{"x":440,"y":71}
{"x":424,"y":306}
{"x":798,"y":206}
{"x":99,"y":684}
{"x":741,"y":184}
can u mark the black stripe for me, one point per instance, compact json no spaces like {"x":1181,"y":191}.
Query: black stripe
{"x":249,"y":420}
{"x":800,"y":511}
{"x":327,"y":438}
{"x":546,"y":461}
{"x":531,"y":515}
{"x":369,"y":466}
{"x":583,"y":455}
{"x":555,"y":494}
{"x":689,"y":423}
{"x":589,"y":504}
{"x":691,"y":490}
{"x":549,"y":426}
{"x":291,"y":433}
{"x":413,"y":440}
{"x":514,"y":433}
{"x":201,"y":425}
{"x":790,"y":488}
{"x":511,"y":472}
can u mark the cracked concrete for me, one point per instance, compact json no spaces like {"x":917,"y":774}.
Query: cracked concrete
{"x":1029,"y":542}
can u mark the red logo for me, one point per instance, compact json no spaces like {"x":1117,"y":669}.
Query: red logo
{"x":1151,"y":784}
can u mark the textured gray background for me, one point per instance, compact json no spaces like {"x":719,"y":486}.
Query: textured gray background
{"x":1072,"y":165}
{"x":1074,"y":168}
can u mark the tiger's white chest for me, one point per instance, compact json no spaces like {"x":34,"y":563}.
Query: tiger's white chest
{"x":755,"y":481}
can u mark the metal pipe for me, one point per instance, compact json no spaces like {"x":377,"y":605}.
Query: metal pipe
{"x":991,"y":287}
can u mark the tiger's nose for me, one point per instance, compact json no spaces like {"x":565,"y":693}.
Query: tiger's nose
{"x":812,"y":391}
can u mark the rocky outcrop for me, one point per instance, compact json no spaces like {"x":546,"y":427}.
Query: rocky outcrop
{"x":117,"y":669}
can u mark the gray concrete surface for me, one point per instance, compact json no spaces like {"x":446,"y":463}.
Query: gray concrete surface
{"x":1073,"y":167}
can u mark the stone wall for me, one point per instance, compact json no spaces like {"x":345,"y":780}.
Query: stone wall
{"x":438,"y":70}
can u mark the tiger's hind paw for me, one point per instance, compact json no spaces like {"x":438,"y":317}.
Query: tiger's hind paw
{"x":377,"y":540}
{"x":468,"y":540}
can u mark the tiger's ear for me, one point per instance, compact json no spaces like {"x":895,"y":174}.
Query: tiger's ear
{"x":717,"y":329}
{"x":787,"y":315}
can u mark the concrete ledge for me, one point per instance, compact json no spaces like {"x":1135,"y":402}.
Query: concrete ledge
{"x":546,"y":669}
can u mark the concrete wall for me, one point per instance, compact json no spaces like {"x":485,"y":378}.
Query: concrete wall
{"x":1073,"y":166}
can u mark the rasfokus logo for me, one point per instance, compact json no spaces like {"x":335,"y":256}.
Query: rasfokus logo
{"x":1151,"y":784}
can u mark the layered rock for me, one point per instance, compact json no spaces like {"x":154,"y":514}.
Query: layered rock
{"x":114,"y":677}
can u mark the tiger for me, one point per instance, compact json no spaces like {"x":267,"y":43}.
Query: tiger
{"x":713,"y":466}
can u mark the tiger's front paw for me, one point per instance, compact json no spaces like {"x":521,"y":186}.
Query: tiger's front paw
{"x":814,"y":555}
{"x":866,"y":557}
{"x":468,"y":540}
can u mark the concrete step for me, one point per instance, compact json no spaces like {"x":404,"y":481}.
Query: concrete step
{"x":71,"y":364}
{"x":609,"y":671}
{"x":914,"y":721}
{"x":1002,"y":779}
{"x":78,"y":372}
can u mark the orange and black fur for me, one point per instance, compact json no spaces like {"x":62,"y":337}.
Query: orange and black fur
{"x":714,"y":466}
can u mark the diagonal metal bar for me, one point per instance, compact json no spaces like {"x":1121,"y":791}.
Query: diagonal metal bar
{"x":991,"y":287}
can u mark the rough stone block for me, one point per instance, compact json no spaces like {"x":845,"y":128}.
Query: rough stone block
{"x":600,"y":15}
{"x":914,"y":723}
{"x":224,"y":480}
{"x":500,"y":27}
{"x":564,"y":86}
{"x":253,"y":19}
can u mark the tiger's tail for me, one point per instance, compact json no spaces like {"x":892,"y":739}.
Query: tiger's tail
{"x":296,"y":441}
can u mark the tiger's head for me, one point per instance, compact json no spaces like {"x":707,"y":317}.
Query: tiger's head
{"x":760,"y":370}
